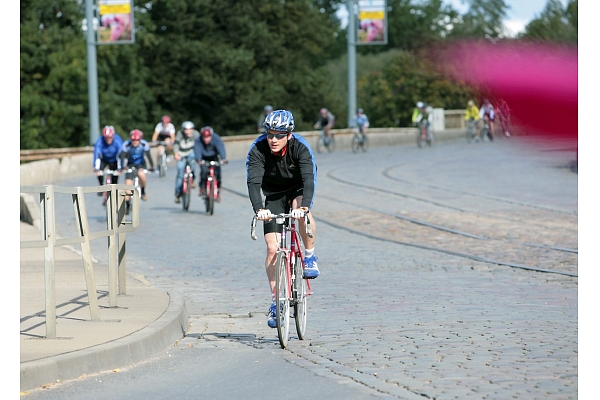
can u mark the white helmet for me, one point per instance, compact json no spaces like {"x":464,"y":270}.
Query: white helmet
{"x":420,"y":104}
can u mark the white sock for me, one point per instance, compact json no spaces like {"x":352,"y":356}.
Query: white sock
{"x":310,"y":252}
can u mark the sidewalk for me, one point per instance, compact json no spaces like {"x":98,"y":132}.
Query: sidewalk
{"x":145,"y":321}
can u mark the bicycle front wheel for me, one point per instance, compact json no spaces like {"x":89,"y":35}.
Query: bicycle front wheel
{"x":282,"y":300}
{"x":210,"y":200}
{"x":301,"y":293}
{"x":320,"y":143}
{"x":187,"y":192}
{"x":331,"y":145}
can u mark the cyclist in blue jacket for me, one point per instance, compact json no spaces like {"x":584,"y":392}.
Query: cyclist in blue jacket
{"x":209,"y":147}
{"x":106,"y":154}
{"x":132,"y":155}
{"x":283,"y":166}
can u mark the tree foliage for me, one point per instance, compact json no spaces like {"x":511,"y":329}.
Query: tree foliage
{"x":218,"y":62}
{"x":555,"y":23}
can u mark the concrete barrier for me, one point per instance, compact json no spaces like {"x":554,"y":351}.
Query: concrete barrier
{"x":46,"y":172}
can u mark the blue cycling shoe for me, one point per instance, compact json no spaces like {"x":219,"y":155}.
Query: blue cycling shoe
{"x":311,"y":271}
{"x":272,"y":322}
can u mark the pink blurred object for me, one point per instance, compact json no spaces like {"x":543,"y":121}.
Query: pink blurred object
{"x":539,"y":82}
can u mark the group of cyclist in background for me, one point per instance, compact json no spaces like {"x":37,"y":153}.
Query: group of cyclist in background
{"x":132,"y":156}
{"x":487,"y":113}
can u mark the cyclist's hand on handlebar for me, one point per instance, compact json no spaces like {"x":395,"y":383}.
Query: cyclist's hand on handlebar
{"x":264,"y":214}
{"x":224,"y":161}
{"x":298,"y":213}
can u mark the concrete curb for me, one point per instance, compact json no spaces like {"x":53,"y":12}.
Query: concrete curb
{"x":158,"y":336}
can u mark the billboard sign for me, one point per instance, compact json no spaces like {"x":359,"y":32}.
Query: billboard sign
{"x":115,"y":19}
{"x":372,"y":22}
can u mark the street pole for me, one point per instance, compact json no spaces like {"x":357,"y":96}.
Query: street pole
{"x":92,"y":73}
{"x":351,"y":62}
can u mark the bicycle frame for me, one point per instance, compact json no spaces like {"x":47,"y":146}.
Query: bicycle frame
{"x":290,"y":245}
{"x":295,"y":289}
{"x":136,"y":179}
{"x":212,"y":177}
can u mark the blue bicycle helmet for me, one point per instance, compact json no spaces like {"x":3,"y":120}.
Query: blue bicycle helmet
{"x":279,"y":120}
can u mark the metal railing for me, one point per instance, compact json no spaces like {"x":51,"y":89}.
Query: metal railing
{"x":116,"y":229}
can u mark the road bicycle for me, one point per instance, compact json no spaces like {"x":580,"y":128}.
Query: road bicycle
{"x":325,"y":143}
{"x":424,"y":135}
{"x":188,"y":184}
{"x":291,"y":288}
{"x":212,"y":186}
{"x":471,"y":130}
{"x":486,"y":131}
{"x":360,"y":141}
{"x":136,"y":183}
{"x":108,"y":173}
{"x":162,"y":158}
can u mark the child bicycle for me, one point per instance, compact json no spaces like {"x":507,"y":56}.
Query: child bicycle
{"x":291,"y":288}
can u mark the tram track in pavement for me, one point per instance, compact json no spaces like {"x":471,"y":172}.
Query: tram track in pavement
{"x":444,"y":238}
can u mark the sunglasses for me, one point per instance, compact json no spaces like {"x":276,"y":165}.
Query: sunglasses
{"x":277,"y":136}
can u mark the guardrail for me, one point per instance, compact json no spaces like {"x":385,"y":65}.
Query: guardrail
{"x":117,"y":227}
{"x":453,"y":119}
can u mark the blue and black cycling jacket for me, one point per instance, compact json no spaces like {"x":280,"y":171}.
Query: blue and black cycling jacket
{"x":109,"y":153}
{"x":210,"y":151}
{"x":276,"y":174}
{"x":135,"y":154}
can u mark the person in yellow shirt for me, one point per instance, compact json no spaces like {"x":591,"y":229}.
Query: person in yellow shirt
{"x":472,"y":117}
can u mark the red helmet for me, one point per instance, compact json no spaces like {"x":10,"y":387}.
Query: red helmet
{"x":136,"y":134}
{"x":166,"y":119}
{"x":108,"y":131}
{"x":206,"y":131}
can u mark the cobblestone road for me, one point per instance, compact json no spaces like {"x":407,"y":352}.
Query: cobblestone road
{"x":395,"y":320}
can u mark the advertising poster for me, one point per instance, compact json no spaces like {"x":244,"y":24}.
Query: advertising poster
{"x":372,"y":22}
{"x":115,"y":22}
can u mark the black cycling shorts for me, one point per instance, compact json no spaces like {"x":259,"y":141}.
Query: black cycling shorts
{"x":163,"y":137}
{"x":130,"y":175}
{"x":279,"y":203}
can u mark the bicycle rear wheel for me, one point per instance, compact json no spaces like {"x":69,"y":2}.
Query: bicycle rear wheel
{"x":282,"y":300}
{"x":210,"y":199}
{"x":187,"y":192}
{"x":301,"y":293}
